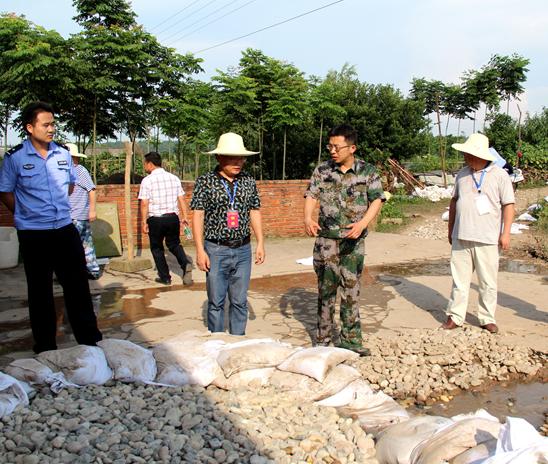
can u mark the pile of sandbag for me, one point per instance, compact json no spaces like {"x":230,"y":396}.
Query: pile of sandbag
{"x":433,"y":192}
{"x":464,"y":439}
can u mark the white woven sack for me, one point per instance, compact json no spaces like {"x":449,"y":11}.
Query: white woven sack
{"x":252,"y":354}
{"x":187,"y":360}
{"x":12,"y":394}
{"x":81,"y":364}
{"x":317,"y":361}
{"x":33,"y":371}
{"x":129,"y":361}
{"x":396,"y":443}
{"x":252,"y":378}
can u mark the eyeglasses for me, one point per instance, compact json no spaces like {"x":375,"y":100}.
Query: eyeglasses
{"x":336,"y":147}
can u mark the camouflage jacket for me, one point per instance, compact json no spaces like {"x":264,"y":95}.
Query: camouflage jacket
{"x":344,"y":197}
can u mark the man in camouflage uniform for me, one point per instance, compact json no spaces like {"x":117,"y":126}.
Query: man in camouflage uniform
{"x":350,"y":195}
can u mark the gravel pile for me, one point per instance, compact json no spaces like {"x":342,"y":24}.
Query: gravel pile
{"x":428,"y":364}
{"x":120,"y":423}
{"x":434,"y":229}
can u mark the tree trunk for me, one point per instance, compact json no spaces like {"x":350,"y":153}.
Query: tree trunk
{"x":458,"y":128}
{"x":127,"y":198}
{"x":7,"y":123}
{"x":285,"y":151}
{"x":507,"y":106}
{"x":273,"y":159}
{"x":320,"y":142}
{"x":196,"y":162}
{"x":261,"y":147}
{"x":93,"y":155}
{"x":442,"y":148}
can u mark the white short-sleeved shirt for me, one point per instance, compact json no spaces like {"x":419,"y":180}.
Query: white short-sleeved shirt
{"x":469,"y":224}
{"x":162,"y":190}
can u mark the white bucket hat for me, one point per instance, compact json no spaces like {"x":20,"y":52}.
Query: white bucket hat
{"x":476,"y":145}
{"x":73,"y":149}
{"x":231,"y":144}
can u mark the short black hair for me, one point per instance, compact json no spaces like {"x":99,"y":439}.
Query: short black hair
{"x":31,"y":111}
{"x":345,"y":130}
{"x":154,"y":158}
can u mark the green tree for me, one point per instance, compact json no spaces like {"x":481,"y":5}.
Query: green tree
{"x":511,"y":74}
{"x":503,"y":134}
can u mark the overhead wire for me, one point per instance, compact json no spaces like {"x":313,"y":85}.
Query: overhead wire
{"x":214,"y":21}
{"x":267,"y":27}
{"x":201,"y":19}
{"x":176,"y":14}
{"x":186,"y":17}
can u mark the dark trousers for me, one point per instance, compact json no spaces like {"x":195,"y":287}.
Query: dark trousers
{"x":57,"y":250}
{"x":165,"y":228}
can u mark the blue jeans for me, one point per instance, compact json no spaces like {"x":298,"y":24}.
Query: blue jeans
{"x":229,"y":273}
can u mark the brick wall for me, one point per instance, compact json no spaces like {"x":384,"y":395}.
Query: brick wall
{"x":282,"y":205}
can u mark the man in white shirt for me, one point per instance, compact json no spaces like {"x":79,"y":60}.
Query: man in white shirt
{"x":163,"y":209}
{"x":480,"y":217}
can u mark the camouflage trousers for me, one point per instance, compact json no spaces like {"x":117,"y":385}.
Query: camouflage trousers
{"x":338,"y":263}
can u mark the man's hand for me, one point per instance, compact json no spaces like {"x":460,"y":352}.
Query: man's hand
{"x":92,"y":216}
{"x":145,"y":227}
{"x":202,"y":261}
{"x":260,"y":254}
{"x":504,"y":242}
{"x":311,"y":227}
{"x":355,"y":230}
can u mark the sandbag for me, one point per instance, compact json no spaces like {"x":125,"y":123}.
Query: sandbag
{"x":252,"y":378}
{"x":455,"y":439}
{"x":252,"y":354}
{"x":12,"y":394}
{"x":81,"y":364}
{"x":187,"y":359}
{"x":347,"y":394}
{"x":33,"y":371}
{"x":301,"y":387}
{"x":396,"y":442}
{"x":374,"y":411}
{"x":476,"y":454}
{"x":317,"y":361}
{"x":129,"y":361}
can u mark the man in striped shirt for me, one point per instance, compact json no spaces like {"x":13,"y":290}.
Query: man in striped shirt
{"x":162,"y":198}
{"x":82,"y":209}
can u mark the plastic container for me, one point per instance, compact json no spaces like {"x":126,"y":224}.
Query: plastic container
{"x":9,"y":247}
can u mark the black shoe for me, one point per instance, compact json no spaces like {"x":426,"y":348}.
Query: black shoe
{"x":162,"y":281}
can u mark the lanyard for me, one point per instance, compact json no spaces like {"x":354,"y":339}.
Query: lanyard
{"x":478,"y":184}
{"x":231,"y":197}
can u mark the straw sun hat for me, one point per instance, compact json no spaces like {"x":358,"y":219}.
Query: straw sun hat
{"x":476,"y":145}
{"x":73,"y":149}
{"x":231,"y":144}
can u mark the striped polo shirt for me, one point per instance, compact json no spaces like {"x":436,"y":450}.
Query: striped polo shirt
{"x":79,"y":199}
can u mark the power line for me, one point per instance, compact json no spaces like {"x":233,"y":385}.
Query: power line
{"x":267,"y":27}
{"x":214,"y":21}
{"x":201,"y":19}
{"x":173,"y":16}
{"x":187,"y":16}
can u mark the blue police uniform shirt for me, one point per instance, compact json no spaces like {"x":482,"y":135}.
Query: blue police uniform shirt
{"x":40,"y":186}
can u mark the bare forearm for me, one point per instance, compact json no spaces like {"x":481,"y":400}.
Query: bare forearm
{"x":92,"y":200}
{"x":198,"y":229}
{"x":371,"y":212}
{"x":257,"y":225}
{"x":183,"y":208}
{"x":452,"y":214}
{"x":8,"y":198}
{"x":508,"y":213}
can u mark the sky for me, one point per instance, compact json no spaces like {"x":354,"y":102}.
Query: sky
{"x":388,"y":41}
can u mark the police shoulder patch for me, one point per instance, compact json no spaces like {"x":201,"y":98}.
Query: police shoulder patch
{"x":12,"y":150}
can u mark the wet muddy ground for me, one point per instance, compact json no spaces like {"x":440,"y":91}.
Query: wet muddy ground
{"x":294,"y":297}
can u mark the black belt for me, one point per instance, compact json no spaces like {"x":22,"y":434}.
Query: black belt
{"x":169,"y":214}
{"x":231,"y":243}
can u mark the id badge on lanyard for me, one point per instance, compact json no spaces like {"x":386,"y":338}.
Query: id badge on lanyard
{"x":483,"y":206}
{"x":232,"y":216}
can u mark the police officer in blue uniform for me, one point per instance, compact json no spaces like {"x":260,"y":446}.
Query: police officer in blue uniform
{"x":35,"y":179}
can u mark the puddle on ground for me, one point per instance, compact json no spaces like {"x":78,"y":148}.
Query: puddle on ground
{"x":526,"y":400}
{"x":295,"y":296}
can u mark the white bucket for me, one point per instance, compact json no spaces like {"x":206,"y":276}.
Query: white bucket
{"x":9,"y":247}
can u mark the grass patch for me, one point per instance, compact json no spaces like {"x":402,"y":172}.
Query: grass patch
{"x":407,"y":208}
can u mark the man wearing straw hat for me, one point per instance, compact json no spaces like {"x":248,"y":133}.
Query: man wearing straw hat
{"x":480,"y":218}
{"x":82,"y":209}
{"x":226,"y":205}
